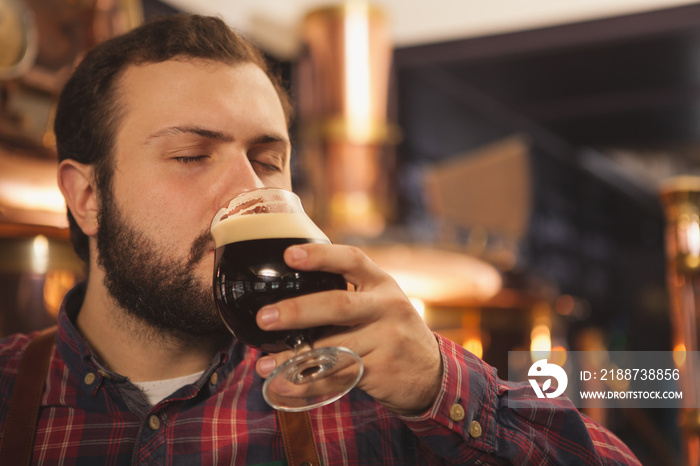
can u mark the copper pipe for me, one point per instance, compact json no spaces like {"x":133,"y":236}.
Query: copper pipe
{"x":681,"y":202}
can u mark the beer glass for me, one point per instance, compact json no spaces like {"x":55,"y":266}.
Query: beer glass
{"x":251,"y":234}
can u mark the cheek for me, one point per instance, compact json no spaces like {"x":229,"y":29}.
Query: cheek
{"x":283,"y":182}
{"x":152,"y":199}
{"x":164,"y":219}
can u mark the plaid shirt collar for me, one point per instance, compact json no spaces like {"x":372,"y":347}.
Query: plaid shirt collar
{"x":81,"y":360}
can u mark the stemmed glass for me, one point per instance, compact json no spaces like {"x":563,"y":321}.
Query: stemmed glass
{"x":251,"y":234}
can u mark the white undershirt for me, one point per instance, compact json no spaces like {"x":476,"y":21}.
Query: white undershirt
{"x":160,"y":389}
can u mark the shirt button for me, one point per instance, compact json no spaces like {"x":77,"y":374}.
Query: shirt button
{"x":475,"y":429}
{"x":214,"y":379}
{"x":457,"y":413}
{"x":154,"y":422}
{"x":89,"y":378}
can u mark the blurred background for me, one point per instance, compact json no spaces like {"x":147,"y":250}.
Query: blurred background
{"x":504,"y":160}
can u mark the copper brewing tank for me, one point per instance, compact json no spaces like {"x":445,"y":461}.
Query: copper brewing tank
{"x":342,"y":101}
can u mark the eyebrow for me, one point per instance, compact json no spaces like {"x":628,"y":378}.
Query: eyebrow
{"x":203,"y":132}
{"x":271,"y":139}
{"x":214,"y":135}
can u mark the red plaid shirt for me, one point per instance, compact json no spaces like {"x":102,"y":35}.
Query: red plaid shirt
{"x":91,"y":416}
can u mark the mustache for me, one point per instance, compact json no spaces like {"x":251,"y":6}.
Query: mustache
{"x":200,"y":248}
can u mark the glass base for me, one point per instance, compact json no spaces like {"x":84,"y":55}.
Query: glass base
{"x":312,"y":379}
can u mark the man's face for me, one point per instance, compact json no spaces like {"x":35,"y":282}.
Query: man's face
{"x":193,"y":134}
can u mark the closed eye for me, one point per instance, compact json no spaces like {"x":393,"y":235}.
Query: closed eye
{"x":191,"y":159}
{"x":268,"y":167}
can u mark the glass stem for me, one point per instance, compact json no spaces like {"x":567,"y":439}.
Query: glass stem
{"x":299,"y":343}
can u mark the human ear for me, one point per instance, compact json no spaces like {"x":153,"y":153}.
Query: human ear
{"x":75,"y":180}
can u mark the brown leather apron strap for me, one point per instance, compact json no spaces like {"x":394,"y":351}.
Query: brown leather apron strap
{"x":23,"y":411}
{"x":298,"y":438}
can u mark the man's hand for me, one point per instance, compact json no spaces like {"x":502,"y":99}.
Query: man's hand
{"x":403,"y":366}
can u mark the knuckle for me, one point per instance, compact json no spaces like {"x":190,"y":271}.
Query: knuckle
{"x":403,"y":334}
{"x":289,"y":310}
{"x":344,"y":300}
{"x":356,"y":255}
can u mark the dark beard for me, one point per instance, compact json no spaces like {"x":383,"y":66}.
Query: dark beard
{"x":164,"y":293}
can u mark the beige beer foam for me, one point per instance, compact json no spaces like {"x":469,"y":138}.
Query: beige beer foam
{"x":265,"y":226}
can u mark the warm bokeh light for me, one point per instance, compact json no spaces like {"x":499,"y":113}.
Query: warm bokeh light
{"x":564,"y":304}
{"x":31,"y":197}
{"x":357,"y":72}
{"x":40,"y":254}
{"x":540,"y":342}
{"x":559,"y":355}
{"x":474,"y":346}
{"x":689,"y":234}
{"x":694,"y":238}
{"x":679,"y":354}
{"x":56,"y":285}
{"x":437,"y":276}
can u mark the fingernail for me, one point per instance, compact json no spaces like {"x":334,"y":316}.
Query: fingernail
{"x":266,"y":365}
{"x":268,"y":315}
{"x":298,"y":253}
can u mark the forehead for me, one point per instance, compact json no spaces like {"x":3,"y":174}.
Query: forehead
{"x":198,"y":91}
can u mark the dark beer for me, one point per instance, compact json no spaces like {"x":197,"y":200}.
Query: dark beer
{"x":251,"y":273}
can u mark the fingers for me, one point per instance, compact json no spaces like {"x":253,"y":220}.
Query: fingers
{"x":265,"y":366}
{"x":339,"y":308}
{"x":349,"y":261}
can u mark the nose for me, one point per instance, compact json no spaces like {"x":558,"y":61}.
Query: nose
{"x":238,"y":176}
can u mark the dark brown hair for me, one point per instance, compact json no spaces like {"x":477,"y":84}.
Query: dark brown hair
{"x":88,"y":112}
